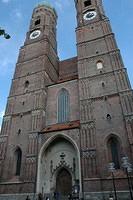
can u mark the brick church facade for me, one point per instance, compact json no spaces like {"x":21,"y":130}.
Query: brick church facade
{"x":65,"y":121}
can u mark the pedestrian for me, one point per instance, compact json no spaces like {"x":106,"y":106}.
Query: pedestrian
{"x":40,"y":197}
{"x":111,"y":197}
{"x":27,"y":198}
{"x":69,"y":197}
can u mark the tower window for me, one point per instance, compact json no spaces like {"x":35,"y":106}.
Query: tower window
{"x":26,"y":84}
{"x":99,"y":65}
{"x":87,"y":3}
{"x":63,"y":106}
{"x":37,"y":22}
{"x":113,"y":147}
{"x":19,"y":130}
{"x":21,"y":115}
{"x":103,"y":84}
{"x":108,"y":117}
{"x":18,"y":155}
{"x":105,"y":98}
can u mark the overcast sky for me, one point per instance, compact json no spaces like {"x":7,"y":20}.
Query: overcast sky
{"x":15,"y":17}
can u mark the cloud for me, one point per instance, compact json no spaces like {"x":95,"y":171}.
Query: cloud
{"x":18,"y":14}
{"x":59,"y":4}
{"x":6,"y":1}
{"x":5,"y":66}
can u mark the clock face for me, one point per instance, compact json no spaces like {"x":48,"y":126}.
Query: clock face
{"x":35,"y":34}
{"x":90,"y":15}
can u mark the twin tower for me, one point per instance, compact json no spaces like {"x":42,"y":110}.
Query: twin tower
{"x":65,"y":121}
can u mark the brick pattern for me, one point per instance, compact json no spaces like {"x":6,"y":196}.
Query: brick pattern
{"x":101,"y":92}
{"x":94,"y":93}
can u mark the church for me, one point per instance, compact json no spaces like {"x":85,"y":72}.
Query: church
{"x":68,"y":125}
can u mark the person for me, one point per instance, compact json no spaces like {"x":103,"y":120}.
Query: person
{"x":56,"y":195}
{"x":111,"y":197}
{"x":27,"y":198}
{"x":40,"y":197}
{"x":69,"y":196}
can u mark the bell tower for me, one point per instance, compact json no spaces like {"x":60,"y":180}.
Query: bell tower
{"x":106,"y":99}
{"x":37,"y":66}
{"x":87,"y":10}
{"x":65,"y":121}
{"x":43,"y":25}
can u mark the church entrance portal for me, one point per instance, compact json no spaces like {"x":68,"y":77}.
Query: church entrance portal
{"x":64,"y":182}
{"x":58,"y":167}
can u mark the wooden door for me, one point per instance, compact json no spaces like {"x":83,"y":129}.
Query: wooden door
{"x":64,"y":182}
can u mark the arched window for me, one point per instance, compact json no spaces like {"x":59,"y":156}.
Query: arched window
{"x":87,"y":3}
{"x":18,"y":156}
{"x":26,"y":84}
{"x":99,"y":64}
{"x":63,"y":106}
{"x":37,"y":22}
{"x":108,"y":117}
{"x":114,"y":151}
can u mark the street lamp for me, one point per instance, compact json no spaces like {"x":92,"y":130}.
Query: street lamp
{"x":128,"y":169}
{"x":111,"y":168}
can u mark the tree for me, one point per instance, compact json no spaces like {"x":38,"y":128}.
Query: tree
{"x":6,"y":35}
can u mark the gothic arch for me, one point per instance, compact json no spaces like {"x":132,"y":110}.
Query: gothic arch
{"x":115,"y":135}
{"x":114,"y":149}
{"x":100,"y":64}
{"x":65,"y":167}
{"x":58,"y":167}
{"x":61,"y":89}
{"x":51,"y":139}
{"x":18,"y":160}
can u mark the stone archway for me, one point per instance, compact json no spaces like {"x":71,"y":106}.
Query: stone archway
{"x":58,"y":153}
{"x":64,"y":182}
